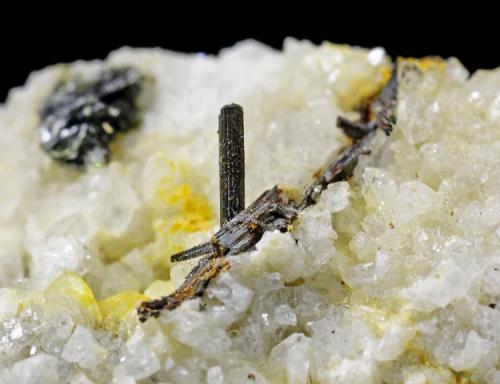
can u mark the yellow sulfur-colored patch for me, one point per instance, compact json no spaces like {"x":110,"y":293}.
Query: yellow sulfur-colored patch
{"x":71,"y":285}
{"x":194,"y":212}
{"x":424,"y":64}
{"x":385,"y":75}
{"x":107,"y":313}
{"x":184,"y":212}
{"x":352,"y":85}
{"x":365,"y":89}
{"x":115,"y":309}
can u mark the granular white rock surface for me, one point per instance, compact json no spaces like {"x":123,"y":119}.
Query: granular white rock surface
{"x":393,"y":277}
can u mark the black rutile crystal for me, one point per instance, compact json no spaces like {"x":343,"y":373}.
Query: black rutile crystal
{"x":241,"y":229}
{"x":231,"y":162}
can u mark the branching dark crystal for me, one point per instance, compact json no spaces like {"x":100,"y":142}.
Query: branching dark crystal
{"x":80,"y":120}
{"x":240,"y":231}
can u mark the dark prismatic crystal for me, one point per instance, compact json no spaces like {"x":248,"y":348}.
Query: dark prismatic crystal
{"x":241,"y":229}
{"x":231,"y":162}
{"x":80,"y":120}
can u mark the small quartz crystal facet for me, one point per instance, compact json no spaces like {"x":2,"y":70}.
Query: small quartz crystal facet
{"x":80,"y":120}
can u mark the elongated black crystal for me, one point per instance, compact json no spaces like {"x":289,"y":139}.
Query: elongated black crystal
{"x":273,"y":210}
{"x":231,"y":162}
{"x":80,"y":120}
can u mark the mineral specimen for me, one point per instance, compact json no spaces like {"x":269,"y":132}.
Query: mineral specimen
{"x":388,"y":276}
{"x":270,"y":212}
{"x":80,"y":120}
{"x":273,"y":210}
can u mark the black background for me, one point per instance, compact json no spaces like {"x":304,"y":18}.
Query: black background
{"x":87,"y":32}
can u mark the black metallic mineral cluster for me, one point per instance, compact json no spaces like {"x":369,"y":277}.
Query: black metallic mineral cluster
{"x":81,"y":119}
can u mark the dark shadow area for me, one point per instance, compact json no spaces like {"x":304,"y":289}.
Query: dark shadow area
{"x":28,"y":45}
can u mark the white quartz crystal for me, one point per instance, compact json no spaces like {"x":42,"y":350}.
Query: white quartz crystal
{"x":39,"y":369}
{"x":392,"y":277}
{"x":292,"y":354}
{"x":83,"y":349}
{"x":215,"y":375}
{"x":9,"y":302}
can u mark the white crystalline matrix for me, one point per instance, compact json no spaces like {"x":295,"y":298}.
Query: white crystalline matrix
{"x":392,"y":277}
